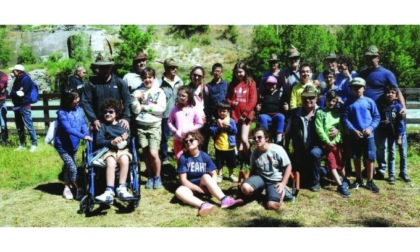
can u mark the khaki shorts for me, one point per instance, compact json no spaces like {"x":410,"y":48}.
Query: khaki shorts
{"x":118,"y":154}
{"x":149,"y":136}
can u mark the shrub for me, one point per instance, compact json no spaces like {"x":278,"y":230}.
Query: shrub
{"x":26,"y":55}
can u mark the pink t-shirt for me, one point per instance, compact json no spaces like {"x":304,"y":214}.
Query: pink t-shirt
{"x":184,"y":120}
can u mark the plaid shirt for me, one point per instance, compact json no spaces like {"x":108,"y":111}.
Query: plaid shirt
{"x":3,"y":85}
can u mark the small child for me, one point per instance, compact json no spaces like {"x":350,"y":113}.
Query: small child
{"x":327,"y":125}
{"x":148,"y":104}
{"x":390,"y":130}
{"x":361,"y":117}
{"x":269,"y":105}
{"x":71,"y":127}
{"x":113,"y":135}
{"x":183,"y":118}
{"x":224,"y":134}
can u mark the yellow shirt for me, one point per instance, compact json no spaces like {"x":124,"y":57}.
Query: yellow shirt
{"x":222,"y":139}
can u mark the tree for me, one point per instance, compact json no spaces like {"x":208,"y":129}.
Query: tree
{"x":132,"y":41}
{"x":26,"y":55}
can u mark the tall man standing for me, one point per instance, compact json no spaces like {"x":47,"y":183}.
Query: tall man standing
{"x":133,"y":79}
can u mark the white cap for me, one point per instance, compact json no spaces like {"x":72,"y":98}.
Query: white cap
{"x":18,"y":67}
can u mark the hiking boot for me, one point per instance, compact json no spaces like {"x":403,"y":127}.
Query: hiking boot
{"x":316,"y":188}
{"x":67,"y":194}
{"x":157,"y":183}
{"x":219,"y":179}
{"x":106,"y":197}
{"x":233,"y":179}
{"x":149,"y":183}
{"x":343,"y":190}
{"x":228,"y":202}
{"x":123,"y":193}
{"x":33,"y":148}
{"x":20,"y":148}
{"x":206,"y":209}
{"x":370,"y":185}
{"x":391,"y":180}
{"x":358,"y":183}
{"x":404,"y":178}
{"x":80,"y":193}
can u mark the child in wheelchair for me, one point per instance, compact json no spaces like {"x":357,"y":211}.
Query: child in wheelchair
{"x":114,"y":136}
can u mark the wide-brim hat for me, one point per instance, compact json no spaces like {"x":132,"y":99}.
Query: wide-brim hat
{"x":273,"y":58}
{"x":293,"y":52}
{"x":139,"y":56}
{"x":103,"y":59}
{"x":170,"y":63}
{"x":18,"y":67}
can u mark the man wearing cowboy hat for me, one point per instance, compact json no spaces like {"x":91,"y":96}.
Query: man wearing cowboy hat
{"x":133,"y":79}
{"x":105,"y":85}
{"x":20,"y":94}
{"x":170,"y":82}
{"x":290,"y":75}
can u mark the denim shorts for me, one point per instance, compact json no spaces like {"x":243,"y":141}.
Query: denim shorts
{"x":365,"y":147}
{"x":259,"y":184}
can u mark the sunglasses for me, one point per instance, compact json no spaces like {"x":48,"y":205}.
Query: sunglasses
{"x":189,"y":141}
{"x":257,"y":138}
{"x":111,"y":112}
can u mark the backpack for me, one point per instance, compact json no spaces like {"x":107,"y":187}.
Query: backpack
{"x":33,"y":96}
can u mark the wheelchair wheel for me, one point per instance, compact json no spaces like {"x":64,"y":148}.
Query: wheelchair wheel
{"x":86,"y":205}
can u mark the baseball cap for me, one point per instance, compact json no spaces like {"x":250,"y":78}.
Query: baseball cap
{"x":358,"y":82}
{"x":271,"y":79}
{"x":18,"y":67}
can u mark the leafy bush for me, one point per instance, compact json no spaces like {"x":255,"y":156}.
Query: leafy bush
{"x":206,"y":41}
{"x":231,"y":33}
{"x":5,"y":48}
{"x":55,"y":57}
{"x":26,"y":55}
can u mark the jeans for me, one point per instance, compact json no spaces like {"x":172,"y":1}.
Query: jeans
{"x":308,"y":163}
{"x":164,"y":140}
{"x":277,"y":121}
{"x":23,"y":117}
{"x":403,"y":154}
{"x":3,"y":119}
{"x":382,"y":141}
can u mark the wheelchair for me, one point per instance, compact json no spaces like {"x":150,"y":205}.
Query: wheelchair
{"x":93,"y":179}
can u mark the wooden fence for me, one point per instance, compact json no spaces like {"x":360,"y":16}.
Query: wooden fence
{"x":412,"y":94}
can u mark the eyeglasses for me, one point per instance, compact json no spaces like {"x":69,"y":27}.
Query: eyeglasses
{"x":111,"y":112}
{"x":197,"y":76}
{"x":257,"y":138}
{"x":186,"y":141}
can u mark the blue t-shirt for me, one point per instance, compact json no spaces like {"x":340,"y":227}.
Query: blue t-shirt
{"x":195,"y":167}
{"x":376,"y":80}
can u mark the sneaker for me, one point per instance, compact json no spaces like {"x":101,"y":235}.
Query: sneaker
{"x":20,"y":148}
{"x":316,"y":188}
{"x":404,"y":178}
{"x":123,"y":193}
{"x":149,"y":183}
{"x":228,"y":202}
{"x":33,"y":148}
{"x":391,"y":180}
{"x":206,"y":209}
{"x":379,"y":175}
{"x":106,"y":197}
{"x":233,"y":179}
{"x":343,"y":190}
{"x":358,"y":183}
{"x":99,"y":163}
{"x":370,"y":185}
{"x":157,"y":183}
{"x":80,"y":193}
{"x":219,"y":178}
{"x":67,"y":194}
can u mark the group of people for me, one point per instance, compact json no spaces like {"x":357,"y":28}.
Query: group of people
{"x":326,"y":116}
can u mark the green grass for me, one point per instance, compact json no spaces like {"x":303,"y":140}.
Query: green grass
{"x":30,"y":196}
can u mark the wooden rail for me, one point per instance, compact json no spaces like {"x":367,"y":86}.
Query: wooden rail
{"x":46,"y":107}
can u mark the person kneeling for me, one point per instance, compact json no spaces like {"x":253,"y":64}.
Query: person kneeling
{"x":197,"y":175}
{"x":270,"y":170}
